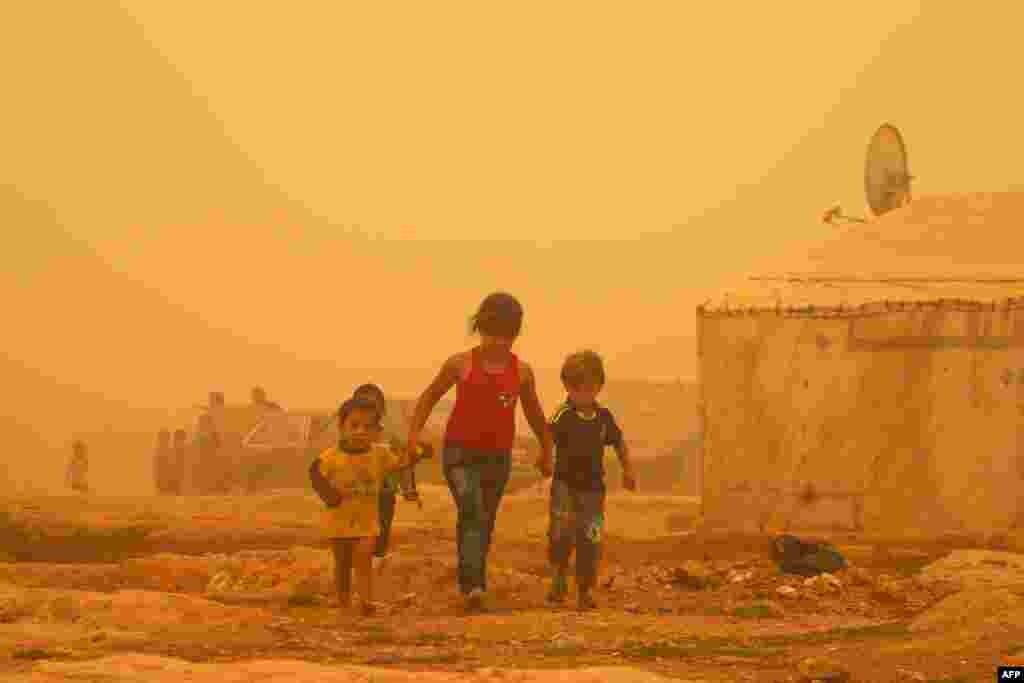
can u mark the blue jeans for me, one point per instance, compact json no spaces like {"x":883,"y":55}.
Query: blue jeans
{"x":577,"y":521}
{"x":477,"y":481}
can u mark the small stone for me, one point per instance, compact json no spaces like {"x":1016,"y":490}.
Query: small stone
{"x":692,"y":575}
{"x":824,"y":583}
{"x":858,"y":576}
{"x":822,"y":669}
{"x":221,"y":581}
{"x":787,"y":592}
{"x":739,"y":576}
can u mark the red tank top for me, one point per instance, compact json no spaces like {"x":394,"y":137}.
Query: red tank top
{"x":484,"y":416}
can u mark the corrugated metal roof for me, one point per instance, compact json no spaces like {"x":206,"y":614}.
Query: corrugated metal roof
{"x":966,"y":246}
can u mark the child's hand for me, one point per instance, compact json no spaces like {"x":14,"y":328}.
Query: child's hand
{"x":421,"y":451}
{"x":426,"y":451}
{"x":629,"y":481}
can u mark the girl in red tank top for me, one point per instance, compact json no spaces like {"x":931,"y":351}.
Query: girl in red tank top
{"x":477,"y":457}
{"x":484,"y":416}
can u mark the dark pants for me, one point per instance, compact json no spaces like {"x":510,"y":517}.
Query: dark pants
{"x":386,"y":507}
{"x":342,"y":550}
{"x":577,"y":519}
{"x":476,"y":485}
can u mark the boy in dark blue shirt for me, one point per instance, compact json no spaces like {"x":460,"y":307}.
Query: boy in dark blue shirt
{"x":582,"y":429}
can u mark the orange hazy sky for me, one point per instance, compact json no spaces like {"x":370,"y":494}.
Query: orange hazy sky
{"x":345,"y":183}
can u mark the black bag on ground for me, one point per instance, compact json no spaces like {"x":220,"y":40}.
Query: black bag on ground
{"x":805,"y":558}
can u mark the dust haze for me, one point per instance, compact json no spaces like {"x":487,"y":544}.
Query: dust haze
{"x":211,"y":199}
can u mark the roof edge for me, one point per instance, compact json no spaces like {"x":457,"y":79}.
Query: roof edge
{"x":872,"y":308}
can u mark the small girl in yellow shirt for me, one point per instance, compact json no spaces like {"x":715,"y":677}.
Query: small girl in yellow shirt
{"x":348,"y":478}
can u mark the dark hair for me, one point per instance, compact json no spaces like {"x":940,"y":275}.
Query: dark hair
{"x":582,"y":366}
{"x":369,"y":390}
{"x":499,"y":315}
{"x":78,"y":445}
{"x":354,"y":404}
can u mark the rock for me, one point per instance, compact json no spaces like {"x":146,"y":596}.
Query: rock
{"x":979,"y":610}
{"x":735,"y":576}
{"x":693,"y":575}
{"x":11,"y":609}
{"x":406,"y":600}
{"x":858,"y":576}
{"x":565,"y":642}
{"x":787,"y":592}
{"x":221,"y":582}
{"x":772,"y":609}
{"x":973,"y":569}
{"x":824,"y":583}
{"x":822,"y":669}
{"x":888,"y":589}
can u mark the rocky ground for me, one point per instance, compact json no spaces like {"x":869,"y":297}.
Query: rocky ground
{"x":120,"y":589}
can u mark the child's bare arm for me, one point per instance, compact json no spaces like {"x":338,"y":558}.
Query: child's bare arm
{"x":534,"y":414}
{"x":628,"y":474}
{"x":446,"y":378}
{"x":327,"y":493}
{"x":407,"y":482}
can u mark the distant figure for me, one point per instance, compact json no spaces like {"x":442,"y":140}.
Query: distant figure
{"x":179,"y":459}
{"x":209,"y":465}
{"x":78,"y":467}
{"x":259,"y":398}
{"x":162,"y":461}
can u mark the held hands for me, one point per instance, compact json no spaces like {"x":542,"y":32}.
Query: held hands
{"x":421,"y":451}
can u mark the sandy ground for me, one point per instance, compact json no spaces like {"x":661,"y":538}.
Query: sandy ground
{"x":146,"y":588}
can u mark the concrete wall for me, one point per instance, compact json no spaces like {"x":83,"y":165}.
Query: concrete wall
{"x":902,"y":421}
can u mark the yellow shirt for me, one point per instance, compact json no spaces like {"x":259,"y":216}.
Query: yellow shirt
{"x":358,"y":478}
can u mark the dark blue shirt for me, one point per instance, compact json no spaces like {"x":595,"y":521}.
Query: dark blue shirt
{"x":579,"y":445}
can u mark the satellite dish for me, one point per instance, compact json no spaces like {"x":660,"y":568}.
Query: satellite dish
{"x":886,"y":177}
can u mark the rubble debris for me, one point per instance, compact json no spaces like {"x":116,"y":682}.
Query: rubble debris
{"x":824,"y":583}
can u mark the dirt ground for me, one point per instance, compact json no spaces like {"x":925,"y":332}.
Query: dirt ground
{"x":232,"y":580}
